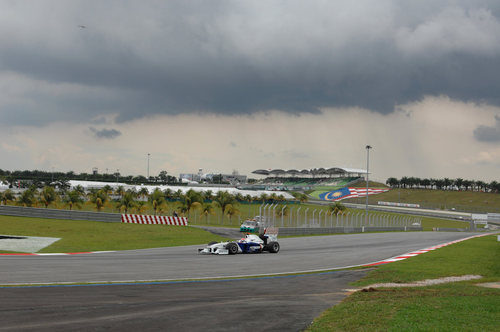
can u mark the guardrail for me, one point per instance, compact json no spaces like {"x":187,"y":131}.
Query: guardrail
{"x":20,"y":211}
{"x":287,"y":231}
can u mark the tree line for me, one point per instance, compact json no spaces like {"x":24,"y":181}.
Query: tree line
{"x":167,"y":202}
{"x":130,"y":200}
{"x":39,"y":179}
{"x":443,"y":184}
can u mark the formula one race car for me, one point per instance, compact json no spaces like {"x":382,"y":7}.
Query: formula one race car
{"x":251,"y":243}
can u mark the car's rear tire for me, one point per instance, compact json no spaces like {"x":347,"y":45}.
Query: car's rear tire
{"x":273,"y":247}
{"x":232,"y":248}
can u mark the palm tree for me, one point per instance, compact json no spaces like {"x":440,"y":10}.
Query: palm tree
{"x":127,"y":201}
{"x":140,"y":207}
{"x":223,"y":199}
{"x":208,"y":195}
{"x":336,"y":208}
{"x":107,"y":189}
{"x":231,"y":211}
{"x":48,"y":195}
{"x":177,"y":195}
{"x":467,"y":184}
{"x":192,"y":199}
{"x":303,"y":198}
{"x":239,"y":197}
{"x":168,"y":193}
{"x":80,"y":190}
{"x":263,"y":197}
{"x":183,"y":209}
{"x":494,"y":186}
{"x":99,"y":198}
{"x":27,"y":197}
{"x":207,"y":209}
{"x":392,"y":182}
{"x":143,"y":192}
{"x":7,"y":196}
{"x":280,"y":211}
{"x":157,"y":199}
{"x":64,"y":186}
{"x":73,"y":198}
{"x":248,"y":198}
{"x":273,"y":197}
{"x":120,"y":191}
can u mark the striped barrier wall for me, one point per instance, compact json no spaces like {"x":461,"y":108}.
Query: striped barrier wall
{"x":154,"y":220}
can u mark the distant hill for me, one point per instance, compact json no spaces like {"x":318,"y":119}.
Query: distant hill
{"x":468,"y":201}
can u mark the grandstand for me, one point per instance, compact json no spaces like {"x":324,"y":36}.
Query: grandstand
{"x":307,"y":179}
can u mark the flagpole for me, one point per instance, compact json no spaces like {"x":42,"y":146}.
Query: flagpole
{"x":368,"y":147}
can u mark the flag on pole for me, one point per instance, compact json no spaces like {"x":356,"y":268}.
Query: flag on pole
{"x":344,"y":193}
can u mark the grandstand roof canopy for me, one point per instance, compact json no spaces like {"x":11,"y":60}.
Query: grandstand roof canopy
{"x":312,"y":171}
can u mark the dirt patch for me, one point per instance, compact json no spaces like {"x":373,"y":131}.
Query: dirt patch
{"x":490,"y":284}
{"x":422,"y":283}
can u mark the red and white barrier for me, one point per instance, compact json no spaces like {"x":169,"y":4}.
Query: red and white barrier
{"x":154,"y":220}
{"x":421,"y":251}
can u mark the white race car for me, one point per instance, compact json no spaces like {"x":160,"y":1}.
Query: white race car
{"x":251,"y":243}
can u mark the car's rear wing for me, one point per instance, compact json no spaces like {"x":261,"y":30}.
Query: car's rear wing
{"x":271,"y":233}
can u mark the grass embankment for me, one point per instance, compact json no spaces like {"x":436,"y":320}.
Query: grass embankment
{"x":78,"y":236}
{"x":460,"y":306}
{"x":440,"y":199}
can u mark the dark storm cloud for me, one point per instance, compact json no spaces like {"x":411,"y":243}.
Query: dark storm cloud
{"x":137,"y":59}
{"x":105,"y":133}
{"x":488,"y":134}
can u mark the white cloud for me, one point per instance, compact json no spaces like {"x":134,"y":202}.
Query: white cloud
{"x":452,"y":30}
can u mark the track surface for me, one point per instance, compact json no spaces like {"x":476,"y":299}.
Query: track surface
{"x":297,"y":254}
{"x":269,"y":304}
{"x":287,"y":303}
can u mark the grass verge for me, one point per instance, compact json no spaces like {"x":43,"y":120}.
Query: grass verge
{"x":447,"y":307}
{"x":79,"y":236}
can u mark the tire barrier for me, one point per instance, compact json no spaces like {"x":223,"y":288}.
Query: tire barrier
{"x":154,"y":220}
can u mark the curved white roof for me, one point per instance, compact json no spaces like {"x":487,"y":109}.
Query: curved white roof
{"x":184,"y":189}
{"x":311,"y":171}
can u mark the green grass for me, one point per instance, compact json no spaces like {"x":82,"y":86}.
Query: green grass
{"x":448,"y":307}
{"x":77,"y":236}
{"x":440,"y":199}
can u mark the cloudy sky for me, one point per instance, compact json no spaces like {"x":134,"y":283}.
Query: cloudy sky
{"x":244,"y":85}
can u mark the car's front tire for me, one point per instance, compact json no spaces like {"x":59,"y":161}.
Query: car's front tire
{"x":273,"y":247}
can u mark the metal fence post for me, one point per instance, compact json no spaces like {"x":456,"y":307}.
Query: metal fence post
{"x":282,"y":209}
{"x":274,"y":214}
{"x":300,"y":207}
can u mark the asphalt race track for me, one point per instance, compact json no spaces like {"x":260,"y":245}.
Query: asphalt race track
{"x":264,"y":304}
{"x":296,"y":254}
{"x":285,"y":303}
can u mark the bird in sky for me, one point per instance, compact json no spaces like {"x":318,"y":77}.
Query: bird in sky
{"x":82,"y":26}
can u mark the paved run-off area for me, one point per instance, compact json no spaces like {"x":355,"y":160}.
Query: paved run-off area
{"x":262,"y":304}
{"x":21,"y":243}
